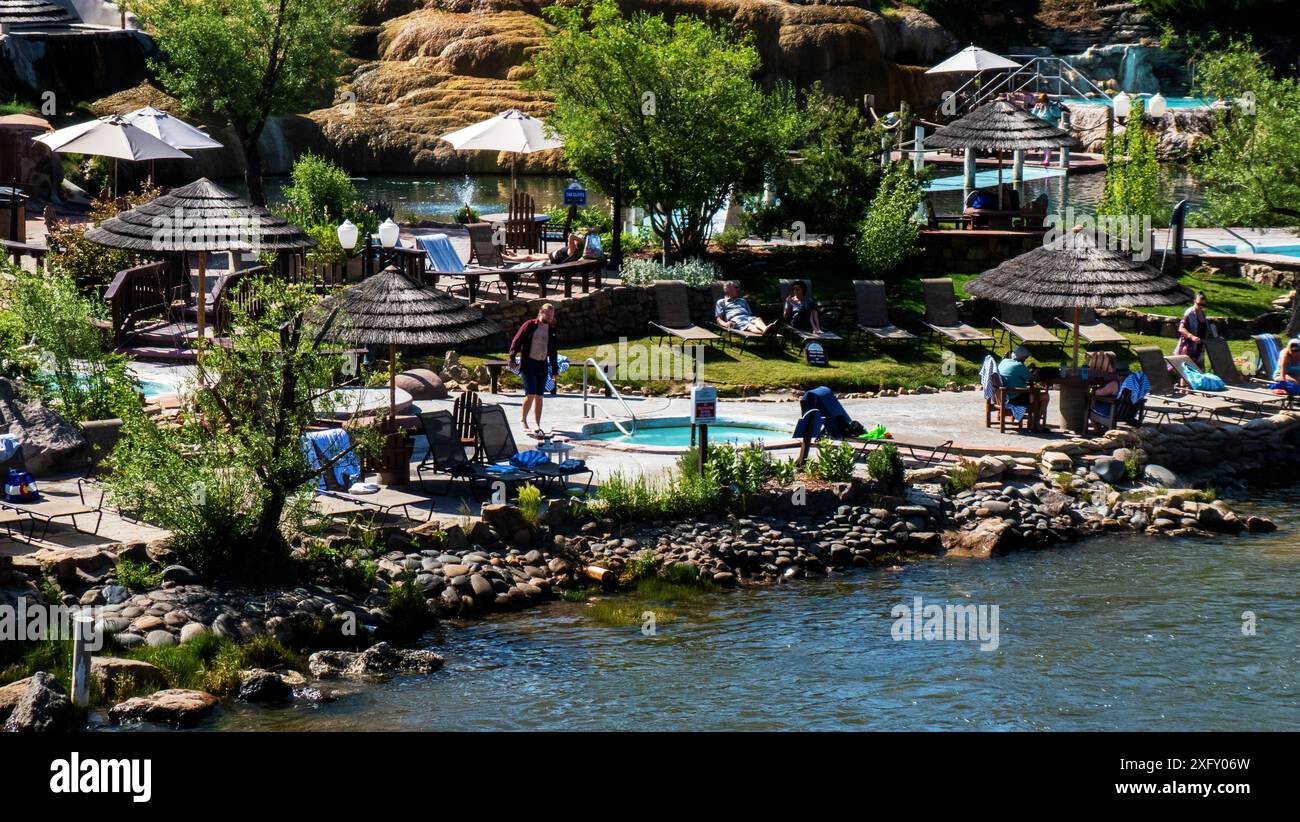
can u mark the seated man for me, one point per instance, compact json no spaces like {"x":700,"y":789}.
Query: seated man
{"x":732,"y":311}
{"x":1015,"y":374}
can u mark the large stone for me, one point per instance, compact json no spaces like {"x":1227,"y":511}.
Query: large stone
{"x":505,"y":520}
{"x":260,"y":685}
{"x":1057,"y":461}
{"x":43,"y":706}
{"x":1110,"y":470}
{"x":422,"y":384}
{"x":117,"y":676}
{"x":51,"y":445}
{"x":177,"y":707}
{"x":1162,"y":476}
{"x":377,"y":660}
{"x":987,"y":538}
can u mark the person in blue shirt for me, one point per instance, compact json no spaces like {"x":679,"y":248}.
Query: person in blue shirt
{"x":1015,"y":374}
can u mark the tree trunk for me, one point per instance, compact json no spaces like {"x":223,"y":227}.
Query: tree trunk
{"x":268,"y":533}
{"x":253,"y":170}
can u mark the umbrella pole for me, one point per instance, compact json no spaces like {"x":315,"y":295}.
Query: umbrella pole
{"x":392,"y":383}
{"x":202,"y":305}
{"x":1076,"y":338}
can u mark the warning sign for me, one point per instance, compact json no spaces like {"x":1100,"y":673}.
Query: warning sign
{"x":704,"y":405}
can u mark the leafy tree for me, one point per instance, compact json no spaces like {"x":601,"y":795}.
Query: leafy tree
{"x":231,"y":474}
{"x":838,"y":170}
{"x":669,"y":108}
{"x":888,"y":235}
{"x":1133,"y":188}
{"x":1251,"y":168}
{"x":67,"y":362}
{"x":248,"y":60}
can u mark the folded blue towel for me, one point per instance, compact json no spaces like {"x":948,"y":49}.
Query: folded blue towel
{"x":500,"y":468}
{"x":572,"y":465}
{"x":528,"y":459}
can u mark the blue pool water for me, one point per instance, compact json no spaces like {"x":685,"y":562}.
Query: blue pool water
{"x":680,"y":435}
{"x":1282,"y":250}
{"x":1170,"y":102}
{"x":989,"y":177}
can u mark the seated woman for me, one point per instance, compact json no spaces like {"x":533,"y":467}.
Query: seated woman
{"x":1288,"y":365}
{"x":572,"y":251}
{"x":800,"y":311}
{"x":1102,"y":364}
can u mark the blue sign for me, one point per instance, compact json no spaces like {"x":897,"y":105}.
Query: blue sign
{"x":575,"y":195}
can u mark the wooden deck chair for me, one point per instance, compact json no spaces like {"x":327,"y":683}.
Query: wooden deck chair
{"x":1256,"y":400}
{"x":521,"y":222}
{"x":672,"y":300}
{"x":466,"y":411}
{"x":806,"y":336}
{"x":1157,"y":371}
{"x":941,"y":313}
{"x":1092,"y":330}
{"x":873,"y":313}
{"x":1017,"y":322}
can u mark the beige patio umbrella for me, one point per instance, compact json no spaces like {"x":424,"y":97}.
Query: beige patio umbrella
{"x":1075,"y":272}
{"x":111,"y":136}
{"x":511,"y":130}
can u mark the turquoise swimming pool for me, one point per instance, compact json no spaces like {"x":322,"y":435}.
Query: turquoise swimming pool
{"x":1281,"y":250}
{"x":1170,"y":102}
{"x":675,"y":433}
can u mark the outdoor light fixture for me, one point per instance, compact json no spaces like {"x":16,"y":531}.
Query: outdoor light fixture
{"x":1157,"y":106}
{"x":1121,"y":104}
{"x":348,"y":235}
{"x":388,"y":232}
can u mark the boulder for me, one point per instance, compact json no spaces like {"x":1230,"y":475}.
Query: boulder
{"x":422,"y":384}
{"x":1162,"y":476}
{"x":987,"y":538}
{"x":116,"y":675}
{"x":51,"y":445}
{"x":176,"y":707}
{"x":1110,"y":470}
{"x":43,"y":706}
{"x":180,"y":575}
{"x":376,"y":660}
{"x":9,"y":696}
{"x":505,"y":520}
{"x":1057,"y":461}
{"x":260,"y":685}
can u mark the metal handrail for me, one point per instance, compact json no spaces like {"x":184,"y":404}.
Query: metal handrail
{"x":1031,"y":72}
{"x":586,"y":403}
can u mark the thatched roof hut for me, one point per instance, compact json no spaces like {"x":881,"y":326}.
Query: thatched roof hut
{"x":1001,"y":126}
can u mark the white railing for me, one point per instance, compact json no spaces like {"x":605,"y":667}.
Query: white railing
{"x":589,"y":406}
{"x":1054,"y":75}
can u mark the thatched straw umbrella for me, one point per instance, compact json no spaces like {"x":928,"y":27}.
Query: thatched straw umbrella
{"x":389,"y":309}
{"x":1000,"y":127}
{"x":201,"y":217}
{"x":1073,"y":271}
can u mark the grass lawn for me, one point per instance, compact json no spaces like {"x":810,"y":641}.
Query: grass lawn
{"x":853,"y":369}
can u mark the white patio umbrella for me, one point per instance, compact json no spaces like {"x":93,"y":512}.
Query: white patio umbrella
{"x":110,"y":136}
{"x":972,"y":59}
{"x":511,"y":130}
{"x":173,"y":131}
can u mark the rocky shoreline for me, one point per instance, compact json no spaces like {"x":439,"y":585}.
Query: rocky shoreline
{"x":467,"y":568}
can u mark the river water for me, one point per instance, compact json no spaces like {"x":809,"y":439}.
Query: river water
{"x":1128,"y":633}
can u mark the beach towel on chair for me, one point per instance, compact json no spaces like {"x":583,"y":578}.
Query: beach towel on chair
{"x":332,"y":442}
{"x":529,"y":459}
{"x":987,"y":369}
{"x":1268,"y":347}
{"x":835,"y":419}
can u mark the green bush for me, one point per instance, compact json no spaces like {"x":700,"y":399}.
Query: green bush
{"x":885,"y":465}
{"x":587,"y":218}
{"x":833,"y":461}
{"x":638,"y":498}
{"x":729,"y":239}
{"x":138,"y":576}
{"x":961,"y":477}
{"x":408,"y":613}
{"x":889,"y":236}
{"x":466,"y":214}
{"x":320,"y":191}
{"x":345,"y":565}
{"x":530,"y":503}
{"x":694,"y":271}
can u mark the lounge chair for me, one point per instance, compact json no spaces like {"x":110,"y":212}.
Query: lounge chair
{"x":941,"y":313}
{"x":808,"y":336}
{"x":739,"y":334}
{"x":442,"y":258}
{"x":672,"y":299}
{"x":498,"y":445}
{"x":1268,"y":350}
{"x":447,"y":455}
{"x":1257,"y":400}
{"x":1157,"y":371}
{"x":1106,"y":413}
{"x":1223,"y":364}
{"x":47,"y":509}
{"x":1017,"y":322}
{"x":873,"y":313}
{"x":1092,"y":330}
{"x":384,"y":501}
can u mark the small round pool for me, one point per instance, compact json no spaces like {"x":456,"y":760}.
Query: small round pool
{"x":674,"y":434}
